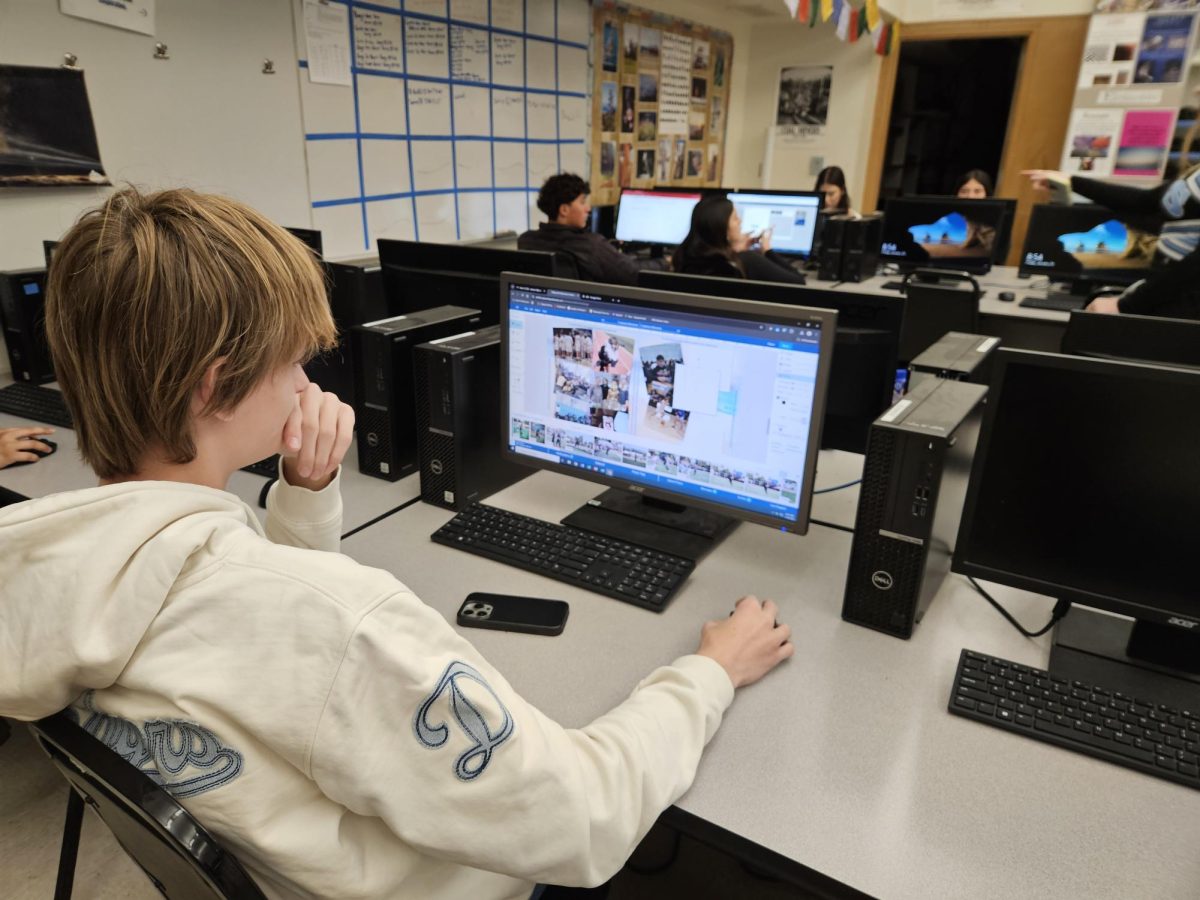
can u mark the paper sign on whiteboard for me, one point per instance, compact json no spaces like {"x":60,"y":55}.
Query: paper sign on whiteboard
{"x":132,"y":15}
{"x":327,"y":33}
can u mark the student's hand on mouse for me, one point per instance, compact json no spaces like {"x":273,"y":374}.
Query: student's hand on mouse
{"x":750,"y":643}
{"x":1106,"y":303}
{"x":315,"y":438}
{"x":18,"y":444}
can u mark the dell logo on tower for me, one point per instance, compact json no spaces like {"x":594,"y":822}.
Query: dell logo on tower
{"x":882,"y":580}
{"x":372,"y":439}
{"x":435,"y":466}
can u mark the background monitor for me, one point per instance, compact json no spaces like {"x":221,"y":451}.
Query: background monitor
{"x":862,"y":376}
{"x":792,"y":218}
{"x":1004,"y":236}
{"x":1157,"y":339}
{"x":1086,"y":243}
{"x":311,"y":238}
{"x":48,"y":250}
{"x":710,"y":403}
{"x":655,"y":217}
{"x":1085,"y":487}
{"x":421,"y":275}
{"x":943,"y":232}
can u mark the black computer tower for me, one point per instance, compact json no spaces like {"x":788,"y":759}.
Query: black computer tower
{"x":23,"y":318}
{"x":386,"y":408}
{"x":959,"y":357}
{"x":914,"y":482}
{"x":458,"y":420}
{"x":860,"y":247}
{"x":829,"y":256}
{"x":355,"y":296}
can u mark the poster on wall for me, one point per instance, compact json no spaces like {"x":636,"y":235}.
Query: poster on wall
{"x":803,"y":106}
{"x":1162,"y":56}
{"x":676,"y":83}
{"x":1110,"y":49}
{"x":1120,"y":6}
{"x":1092,"y":141}
{"x":1145,"y":140}
{"x":132,"y":15}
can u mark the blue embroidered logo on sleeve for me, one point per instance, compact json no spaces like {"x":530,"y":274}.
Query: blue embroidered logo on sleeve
{"x":484,"y":740}
{"x":185,"y":758}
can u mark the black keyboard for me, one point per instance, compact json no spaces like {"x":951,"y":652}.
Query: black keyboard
{"x":32,"y":401}
{"x":267,"y":468}
{"x":608,"y":566}
{"x":894,"y":286}
{"x":1059,"y":302}
{"x":1151,"y":737}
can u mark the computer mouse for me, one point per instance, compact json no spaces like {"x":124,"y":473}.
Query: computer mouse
{"x":49,"y":443}
{"x":1006,"y":296}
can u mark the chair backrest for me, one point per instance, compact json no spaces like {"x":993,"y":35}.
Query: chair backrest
{"x":173,"y":849}
{"x":565,"y":266}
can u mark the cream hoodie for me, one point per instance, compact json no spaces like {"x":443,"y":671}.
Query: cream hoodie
{"x":336,"y":733}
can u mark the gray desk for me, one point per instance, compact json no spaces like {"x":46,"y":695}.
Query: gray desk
{"x":845,"y":758}
{"x":363,"y":498}
{"x":1016,"y":325}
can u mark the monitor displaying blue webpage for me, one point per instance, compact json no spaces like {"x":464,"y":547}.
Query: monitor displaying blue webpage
{"x":655,"y":217}
{"x":699,"y":405}
{"x":792,"y":219}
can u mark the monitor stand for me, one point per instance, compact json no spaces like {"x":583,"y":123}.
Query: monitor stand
{"x":1137,"y":658}
{"x":658,"y":524}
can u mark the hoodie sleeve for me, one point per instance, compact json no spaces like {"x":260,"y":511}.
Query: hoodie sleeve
{"x":420,"y":731}
{"x":302,"y":518}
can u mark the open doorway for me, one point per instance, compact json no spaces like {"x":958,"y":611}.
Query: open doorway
{"x":950,"y":113}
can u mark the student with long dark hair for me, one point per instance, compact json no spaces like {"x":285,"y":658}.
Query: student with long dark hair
{"x":831,"y":183}
{"x":975,"y":184}
{"x":715,"y":245}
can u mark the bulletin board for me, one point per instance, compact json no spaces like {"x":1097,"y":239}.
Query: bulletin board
{"x":451,"y":114}
{"x":660,"y":101}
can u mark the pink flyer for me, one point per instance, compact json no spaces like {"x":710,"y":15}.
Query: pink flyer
{"x":1145,"y":140}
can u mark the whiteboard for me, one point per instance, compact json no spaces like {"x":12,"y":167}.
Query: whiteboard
{"x":456,"y":112}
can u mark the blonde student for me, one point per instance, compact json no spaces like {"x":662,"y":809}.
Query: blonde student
{"x":338,"y":735}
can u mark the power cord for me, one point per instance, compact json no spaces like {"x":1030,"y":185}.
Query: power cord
{"x":1061,"y":608}
{"x":838,"y":487}
{"x":832,"y":525}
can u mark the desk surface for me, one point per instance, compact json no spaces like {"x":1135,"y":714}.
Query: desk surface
{"x":363,"y":498}
{"x":845,"y":758}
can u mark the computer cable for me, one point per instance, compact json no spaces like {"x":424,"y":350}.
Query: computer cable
{"x":832,"y":525}
{"x":838,"y":487}
{"x":1061,"y":608}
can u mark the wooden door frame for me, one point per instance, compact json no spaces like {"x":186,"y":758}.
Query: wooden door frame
{"x":1037,"y":119}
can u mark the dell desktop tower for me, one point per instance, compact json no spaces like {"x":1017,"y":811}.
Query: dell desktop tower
{"x":386,"y":395}
{"x":959,"y":357}
{"x":355,"y":296}
{"x":459,"y":432}
{"x":914,"y":482}
{"x":23,"y":318}
{"x":860,"y":247}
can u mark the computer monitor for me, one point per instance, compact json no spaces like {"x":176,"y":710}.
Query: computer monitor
{"x":791,"y":216}
{"x":1085,"y":246}
{"x":696,"y":410}
{"x":943,"y":233}
{"x":1085,"y":487}
{"x":311,"y":238}
{"x":1154,"y":339}
{"x":655,"y":217}
{"x":862,"y":376}
{"x":1004,"y":236}
{"x":419,"y":275}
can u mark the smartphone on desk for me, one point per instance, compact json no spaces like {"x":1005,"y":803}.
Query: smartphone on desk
{"x":504,"y":612}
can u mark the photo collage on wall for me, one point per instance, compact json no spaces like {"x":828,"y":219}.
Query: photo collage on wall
{"x":662,"y":89}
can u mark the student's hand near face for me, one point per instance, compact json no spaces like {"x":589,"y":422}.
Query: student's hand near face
{"x":764,"y":240}
{"x":315,"y":438}
{"x":1107,"y":303}
{"x":18,"y":444}
{"x":740,"y":241}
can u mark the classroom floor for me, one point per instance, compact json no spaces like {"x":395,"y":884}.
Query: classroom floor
{"x":33,"y":800}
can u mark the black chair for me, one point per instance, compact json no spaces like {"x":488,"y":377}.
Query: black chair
{"x":182,"y":859}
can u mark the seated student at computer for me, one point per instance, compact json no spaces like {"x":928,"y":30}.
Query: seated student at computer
{"x":336,"y":733}
{"x":18,"y":444}
{"x":1171,"y":210}
{"x":831,"y":183}
{"x":975,"y":184}
{"x":715,"y":245}
{"x":564,"y":200}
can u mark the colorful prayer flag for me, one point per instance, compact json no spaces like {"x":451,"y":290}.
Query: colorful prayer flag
{"x":826,"y":10}
{"x":872,"y":11}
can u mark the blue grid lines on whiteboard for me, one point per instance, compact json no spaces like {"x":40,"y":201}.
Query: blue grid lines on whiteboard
{"x":446,"y":90}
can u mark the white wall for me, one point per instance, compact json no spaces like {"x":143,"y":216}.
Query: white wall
{"x":940,"y":10}
{"x":851,"y":103}
{"x":206,"y":118}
